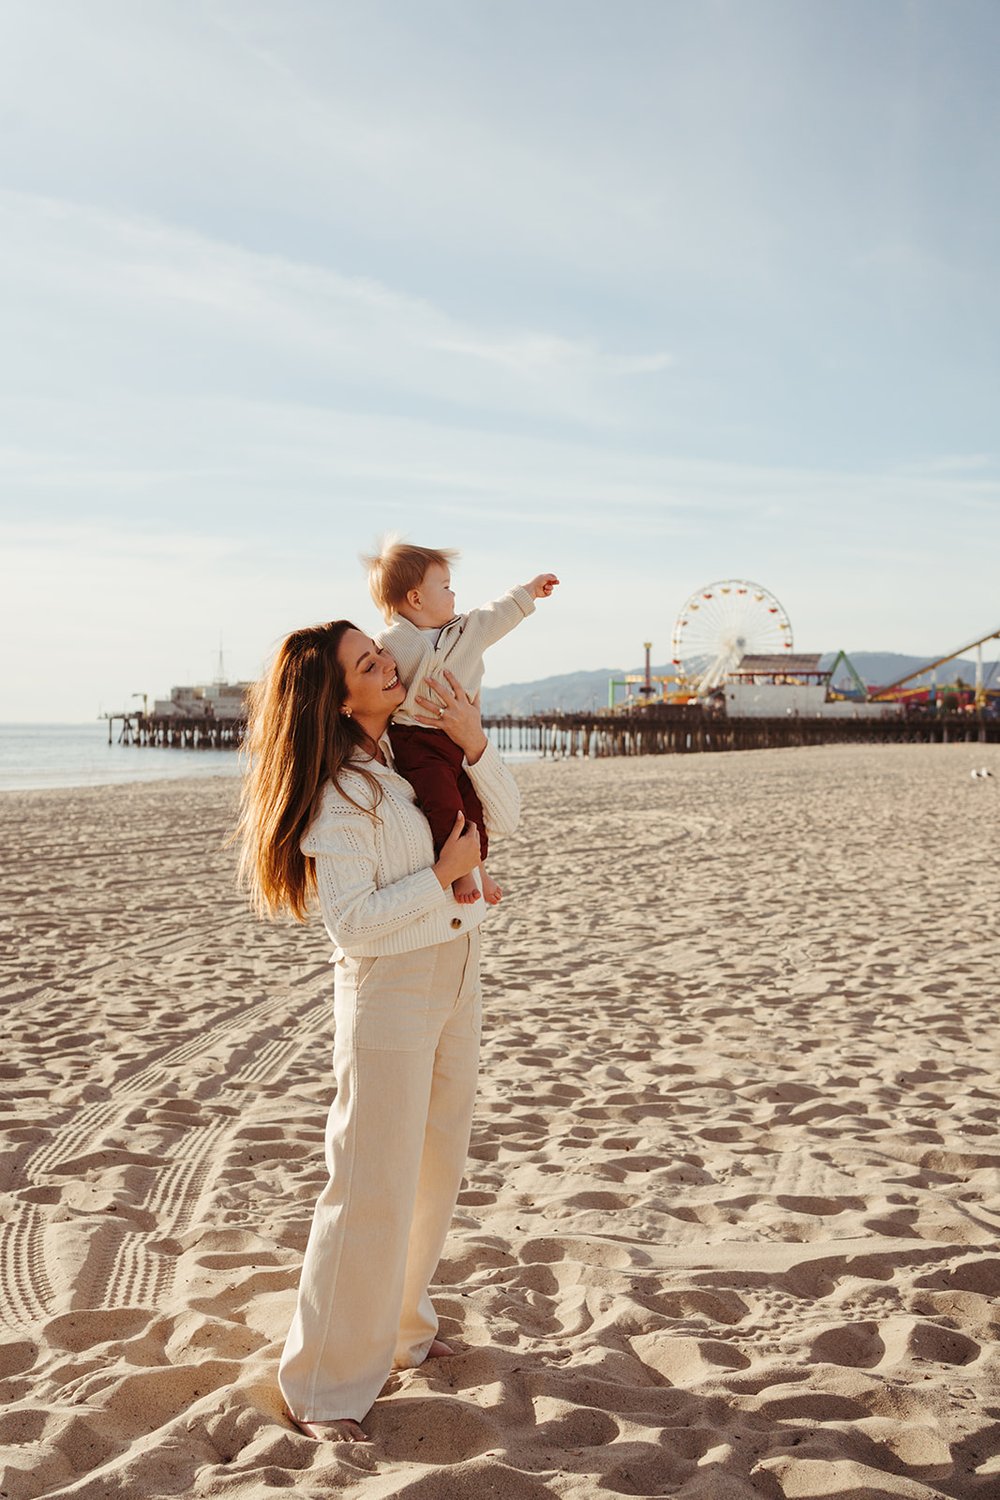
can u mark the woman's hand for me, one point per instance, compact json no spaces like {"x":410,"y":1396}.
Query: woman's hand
{"x":459,"y":853}
{"x":456,"y":713}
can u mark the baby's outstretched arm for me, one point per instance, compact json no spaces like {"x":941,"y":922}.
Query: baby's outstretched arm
{"x":542,"y":586}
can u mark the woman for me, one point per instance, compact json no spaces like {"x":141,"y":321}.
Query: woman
{"x":324,"y":812}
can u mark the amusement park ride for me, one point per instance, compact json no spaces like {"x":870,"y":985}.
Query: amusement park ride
{"x":899,"y":692}
{"x":724,"y":622}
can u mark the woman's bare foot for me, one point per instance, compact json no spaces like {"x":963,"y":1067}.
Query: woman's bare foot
{"x":338,"y":1430}
{"x":439,"y":1350}
{"x":491,"y":891}
{"x":465,"y":889}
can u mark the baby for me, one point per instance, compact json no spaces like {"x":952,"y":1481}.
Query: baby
{"x":412,"y":588}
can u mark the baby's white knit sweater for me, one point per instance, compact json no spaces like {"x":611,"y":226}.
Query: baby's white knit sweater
{"x":377,"y":890}
{"x":459,"y":647}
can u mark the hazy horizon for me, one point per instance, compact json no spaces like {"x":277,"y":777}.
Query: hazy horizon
{"x":907,"y":662}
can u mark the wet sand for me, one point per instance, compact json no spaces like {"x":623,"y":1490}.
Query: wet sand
{"x":731,"y":1223}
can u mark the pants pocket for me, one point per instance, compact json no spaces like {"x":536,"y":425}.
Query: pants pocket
{"x":393,"y":1001}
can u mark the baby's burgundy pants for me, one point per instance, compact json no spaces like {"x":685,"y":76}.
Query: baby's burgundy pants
{"x":432,"y":764}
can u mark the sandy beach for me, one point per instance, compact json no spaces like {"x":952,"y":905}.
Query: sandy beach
{"x":731,"y":1222}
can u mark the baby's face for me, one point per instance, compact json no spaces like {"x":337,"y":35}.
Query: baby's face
{"x":437,"y":596}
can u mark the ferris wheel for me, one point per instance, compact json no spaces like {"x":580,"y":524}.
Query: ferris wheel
{"x":723,"y":622}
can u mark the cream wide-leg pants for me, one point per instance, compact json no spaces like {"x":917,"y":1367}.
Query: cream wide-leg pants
{"x":405,"y":1057}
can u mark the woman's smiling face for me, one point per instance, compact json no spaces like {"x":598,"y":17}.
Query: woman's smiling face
{"x":373,"y":686}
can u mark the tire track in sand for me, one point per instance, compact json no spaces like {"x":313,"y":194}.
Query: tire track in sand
{"x":128,"y":1267}
{"x":83,"y":1130}
{"x":140,"y":1271}
{"x":25,"y":1289}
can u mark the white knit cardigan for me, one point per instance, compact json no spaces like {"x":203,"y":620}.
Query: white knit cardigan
{"x":377,"y":890}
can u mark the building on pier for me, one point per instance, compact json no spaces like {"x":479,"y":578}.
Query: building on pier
{"x":770,"y":687}
{"x":212,"y":700}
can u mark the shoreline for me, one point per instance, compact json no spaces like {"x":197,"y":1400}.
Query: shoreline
{"x":977,"y":755}
{"x":85,"y":760}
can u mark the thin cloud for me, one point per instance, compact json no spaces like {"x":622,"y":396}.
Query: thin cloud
{"x":534,"y":355}
{"x":133,"y":281}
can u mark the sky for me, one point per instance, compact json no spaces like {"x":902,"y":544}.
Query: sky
{"x":649,"y":293}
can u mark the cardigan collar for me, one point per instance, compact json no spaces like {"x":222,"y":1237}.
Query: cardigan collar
{"x":375,"y":766}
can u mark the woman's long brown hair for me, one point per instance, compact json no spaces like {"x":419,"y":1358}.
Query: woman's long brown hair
{"x":297,"y":740}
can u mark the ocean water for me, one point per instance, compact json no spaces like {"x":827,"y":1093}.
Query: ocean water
{"x":35,"y":756}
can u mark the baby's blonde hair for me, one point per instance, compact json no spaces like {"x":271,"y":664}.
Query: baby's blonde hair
{"x":398,"y":567}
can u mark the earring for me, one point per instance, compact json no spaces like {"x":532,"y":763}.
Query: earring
{"x":347,"y":713}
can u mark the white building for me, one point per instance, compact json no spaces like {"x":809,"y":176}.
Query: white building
{"x":776,"y":687}
{"x":213,"y":700}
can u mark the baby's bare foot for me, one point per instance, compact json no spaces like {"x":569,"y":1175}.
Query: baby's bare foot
{"x":465,"y":889}
{"x":337,"y":1430}
{"x":491,"y":891}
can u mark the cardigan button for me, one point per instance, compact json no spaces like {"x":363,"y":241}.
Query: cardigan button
{"x":456,"y":921}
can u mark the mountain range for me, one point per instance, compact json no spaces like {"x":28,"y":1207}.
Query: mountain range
{"x":571,"y":691}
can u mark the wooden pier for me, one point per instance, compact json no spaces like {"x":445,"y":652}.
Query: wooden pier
{"x":666,"y":730}
{"x":180,"y":733}
{"x":656,"y":730}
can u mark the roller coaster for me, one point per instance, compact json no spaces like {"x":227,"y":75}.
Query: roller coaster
{"x":898,"y":691}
